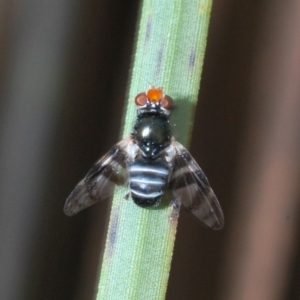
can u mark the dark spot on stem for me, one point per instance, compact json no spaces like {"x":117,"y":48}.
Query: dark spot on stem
{"x":192,"y":58}
{"x":148,"y":29}
{"x":113,"y":231}
{"x":159,"y":60}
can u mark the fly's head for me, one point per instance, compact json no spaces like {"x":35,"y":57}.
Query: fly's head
{"x":154,"y":101}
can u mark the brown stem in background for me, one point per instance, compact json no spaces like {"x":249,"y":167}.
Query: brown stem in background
{"x":261,"y":243}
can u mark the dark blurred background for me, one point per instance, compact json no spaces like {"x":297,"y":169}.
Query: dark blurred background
{"x":63,"y":75}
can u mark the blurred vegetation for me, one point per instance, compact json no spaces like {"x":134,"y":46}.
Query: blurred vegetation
{"x":63,"y":74}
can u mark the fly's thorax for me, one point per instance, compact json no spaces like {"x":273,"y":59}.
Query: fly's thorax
{"x":152,"y":134}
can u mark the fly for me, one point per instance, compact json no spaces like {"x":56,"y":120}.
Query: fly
{"x":149,"y":162}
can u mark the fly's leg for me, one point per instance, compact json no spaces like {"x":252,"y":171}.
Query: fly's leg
{"x":175,"y":203}
{"x":127,"y":195}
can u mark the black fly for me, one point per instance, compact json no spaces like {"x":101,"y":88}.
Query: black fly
{"x":150,"y":161}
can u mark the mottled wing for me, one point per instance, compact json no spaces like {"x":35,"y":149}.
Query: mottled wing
{"x":192,"y":189}
{"x":99,"y":182}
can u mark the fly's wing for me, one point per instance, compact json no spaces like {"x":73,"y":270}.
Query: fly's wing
{"x":191,"y":188}
{"x":99,"y":182}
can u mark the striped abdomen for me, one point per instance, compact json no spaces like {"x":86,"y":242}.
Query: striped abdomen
{"x":147,"y":180}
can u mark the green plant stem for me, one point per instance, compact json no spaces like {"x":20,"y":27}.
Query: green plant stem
{"x":169,"y":53}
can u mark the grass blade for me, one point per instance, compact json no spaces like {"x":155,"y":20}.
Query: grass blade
{"x":169,"y":53}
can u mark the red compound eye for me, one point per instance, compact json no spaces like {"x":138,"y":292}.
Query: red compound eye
{"x":166,"y":102}
{"x":141,"y":99}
